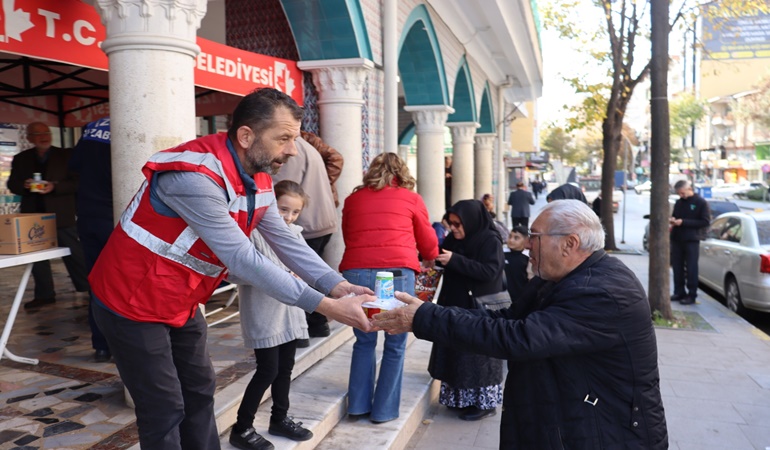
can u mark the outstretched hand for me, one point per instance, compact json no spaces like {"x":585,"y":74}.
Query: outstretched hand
{"x":348,"y":310}
{"x":398,"y":320}
{"x":344,"y":288}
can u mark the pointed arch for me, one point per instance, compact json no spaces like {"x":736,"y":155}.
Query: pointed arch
{"x":420,"y":63}
{"x":486,"y":112}
{"x":331,"y":29}
{"x":463,"y":100}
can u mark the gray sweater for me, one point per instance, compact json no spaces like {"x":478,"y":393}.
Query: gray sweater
{"x":266,"y":322}
{"x":319,"y":217}
{"x":198,"y":200}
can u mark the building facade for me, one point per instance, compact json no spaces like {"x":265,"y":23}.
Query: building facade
{"x":375,"y":75}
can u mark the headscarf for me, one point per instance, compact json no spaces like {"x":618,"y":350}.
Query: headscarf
{"x":477,"y":223}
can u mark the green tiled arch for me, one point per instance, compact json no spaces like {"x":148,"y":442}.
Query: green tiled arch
{"x":463,"y":100}
{"x":420,"y":63}
{"x":486,"y":114}
{"x":330,"y":29}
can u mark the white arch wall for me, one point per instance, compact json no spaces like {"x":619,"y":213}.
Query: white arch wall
{"x":452,"y":50}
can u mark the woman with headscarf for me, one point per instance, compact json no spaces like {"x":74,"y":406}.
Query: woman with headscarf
{"x":472,"y":256}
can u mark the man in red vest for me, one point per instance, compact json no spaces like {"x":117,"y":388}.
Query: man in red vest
{"x":186,"y":230}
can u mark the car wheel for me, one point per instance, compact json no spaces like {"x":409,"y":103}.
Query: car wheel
{"x":733,"y":296}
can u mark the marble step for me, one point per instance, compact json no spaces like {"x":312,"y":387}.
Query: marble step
{"x":318,"y":399}
{"x":419,"y":392}
{"x":227,"y":400}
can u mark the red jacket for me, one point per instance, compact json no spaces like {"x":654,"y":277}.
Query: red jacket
{"x":386,"y":229}
{"x":154,"y":268}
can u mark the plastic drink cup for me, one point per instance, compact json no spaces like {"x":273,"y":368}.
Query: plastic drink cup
{"x":372,"y":308}
{"x":383,"y":286}
{"x":37,"y":184}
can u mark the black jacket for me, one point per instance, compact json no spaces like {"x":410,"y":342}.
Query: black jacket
{"x":696,"y":216}
{"x":582,"y":359}
{"x":519,"y":201}
{"x":476,"y":266}
{"x":567,"y":192}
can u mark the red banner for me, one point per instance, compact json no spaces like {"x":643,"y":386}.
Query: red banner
{"x":235,"y":71}
{"x":71,"y":32}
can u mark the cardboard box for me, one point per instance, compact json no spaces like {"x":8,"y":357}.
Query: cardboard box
{"x":23,"y":233}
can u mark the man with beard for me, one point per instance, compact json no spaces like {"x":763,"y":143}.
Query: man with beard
{"x":186,"y":229}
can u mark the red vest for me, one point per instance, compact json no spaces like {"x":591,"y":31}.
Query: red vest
{"x":155,"y":268}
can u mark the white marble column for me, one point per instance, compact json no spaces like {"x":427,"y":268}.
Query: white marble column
{"x":151,"y":47}
{"x":403,"y":152}
{"x":462,"y":160}
{"x":390,"y":68}
{"x":429,"y":122}
{"x":409,"y":158}
{"x":484,"y":167}
{"x":340,"y":85}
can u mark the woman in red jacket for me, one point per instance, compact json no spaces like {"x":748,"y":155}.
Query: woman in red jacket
{"x":384,"y":224}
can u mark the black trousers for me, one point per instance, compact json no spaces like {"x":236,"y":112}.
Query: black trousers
{"x":75,"y":264}
{"x":274,"y":366}
{"x":169,"y":374}
{"x":94,"y":233}
{"x":523,"y":221}
{"x":316,"y":321}
{"x":684,"y":262}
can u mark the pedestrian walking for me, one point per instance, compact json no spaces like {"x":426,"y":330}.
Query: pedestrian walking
{"x":519,"y":202}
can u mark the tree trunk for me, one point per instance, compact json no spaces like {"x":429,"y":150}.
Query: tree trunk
{"x":612,"y":127}
{"x":660,"y":152}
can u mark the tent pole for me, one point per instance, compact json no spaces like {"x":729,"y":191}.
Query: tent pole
{"x":60,"y":115}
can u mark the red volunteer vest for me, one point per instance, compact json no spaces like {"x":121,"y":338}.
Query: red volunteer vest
{"x":155,"y":268}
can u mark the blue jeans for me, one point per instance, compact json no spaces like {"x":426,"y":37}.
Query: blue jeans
{"x":382,"y":400}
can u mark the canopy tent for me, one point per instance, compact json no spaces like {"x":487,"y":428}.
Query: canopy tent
{"x":53,"y":71}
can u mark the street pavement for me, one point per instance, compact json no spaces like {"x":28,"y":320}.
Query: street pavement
{"x":715,"y":382}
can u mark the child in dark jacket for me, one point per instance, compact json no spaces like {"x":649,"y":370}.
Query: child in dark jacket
{"x":516,"y":262}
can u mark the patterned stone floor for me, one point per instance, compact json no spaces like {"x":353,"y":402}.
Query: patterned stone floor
{"x":68,"y":401}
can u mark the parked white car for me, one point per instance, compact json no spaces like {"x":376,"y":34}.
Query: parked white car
{"x":735,"y":260}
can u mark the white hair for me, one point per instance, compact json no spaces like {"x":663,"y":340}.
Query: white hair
{"x":575,"y":217}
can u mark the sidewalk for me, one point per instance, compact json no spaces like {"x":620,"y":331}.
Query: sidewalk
{"x":715,"y":385}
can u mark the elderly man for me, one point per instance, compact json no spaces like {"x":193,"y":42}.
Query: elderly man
{"x":583,"y":370}
{"x":58,"y":196}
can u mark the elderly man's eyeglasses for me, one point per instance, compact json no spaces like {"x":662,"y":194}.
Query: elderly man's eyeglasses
{"x":531,"y":234}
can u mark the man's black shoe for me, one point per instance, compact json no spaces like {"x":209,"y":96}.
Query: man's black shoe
{"x":102,"y":356}
{"x":290,"y":429}
{"x":303,"y":343}
{"x":249,"y":440}
{"x":688,"y":301}
{"x":319,"y":330}
{"x":38,"y":302}
{"x":474,"y":413}
{"x":677,"y":298}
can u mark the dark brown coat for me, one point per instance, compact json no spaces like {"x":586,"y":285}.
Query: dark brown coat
{"x":62,"y":199}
